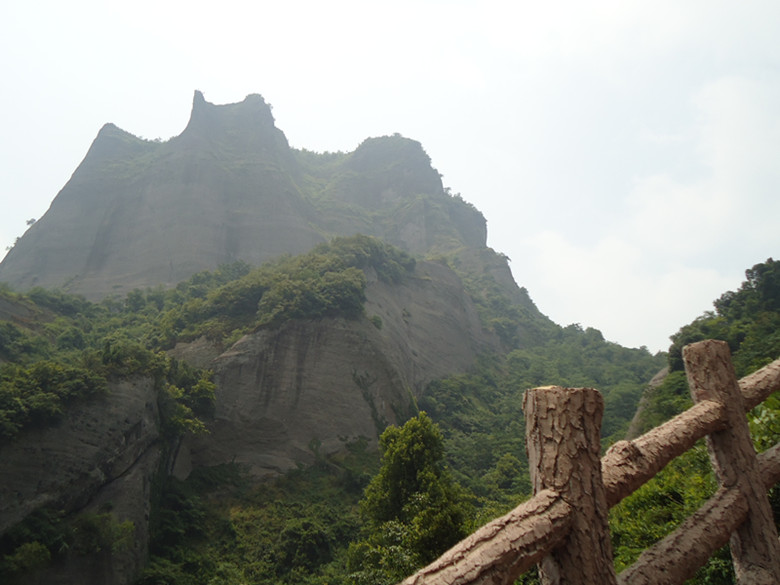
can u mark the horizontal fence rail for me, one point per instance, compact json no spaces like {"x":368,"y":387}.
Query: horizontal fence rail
{"x":703,"y":533}
{"x":563,"y":527}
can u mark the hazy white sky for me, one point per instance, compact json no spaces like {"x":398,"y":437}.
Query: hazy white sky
{"x":625,"y":154}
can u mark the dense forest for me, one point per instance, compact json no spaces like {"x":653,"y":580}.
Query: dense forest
{"x":362,"y":516}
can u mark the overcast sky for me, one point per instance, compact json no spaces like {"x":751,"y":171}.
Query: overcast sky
{"x":625,"y":154}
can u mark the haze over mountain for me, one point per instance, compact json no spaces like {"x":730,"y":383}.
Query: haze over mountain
{"x":140,"y":213}
{"x":259,"y":309}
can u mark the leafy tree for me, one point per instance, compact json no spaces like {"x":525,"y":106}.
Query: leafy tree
{"x":37,"y":394}
{"x":303,"y":543}
{"x":747,"y":316}
{"x":413,"y":510}
{"x":28,"y":557}
{"x":660,"y":506}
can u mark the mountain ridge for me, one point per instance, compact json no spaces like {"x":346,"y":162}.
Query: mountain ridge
{"x":329,"y":294}
{"x":140,"y":213}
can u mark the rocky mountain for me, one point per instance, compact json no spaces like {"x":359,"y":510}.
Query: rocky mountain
{"x":285,"y":395}
{"x":140,"y":213}
{"x":102,"y":459}
{"x":329,"y":381}
{"x":325,"y":291}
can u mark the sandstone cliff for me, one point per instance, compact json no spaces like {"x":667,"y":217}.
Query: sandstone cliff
{"x":101,"y":458}
{"x":139,"y":213}
{"x":285,"y":395}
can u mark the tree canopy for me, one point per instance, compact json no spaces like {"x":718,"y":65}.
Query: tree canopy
{"x":413,"y":511}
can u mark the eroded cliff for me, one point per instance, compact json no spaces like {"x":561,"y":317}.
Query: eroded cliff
{"x":289,"y":394}
{"x":101,"y":459}
{"x":140,"y":213}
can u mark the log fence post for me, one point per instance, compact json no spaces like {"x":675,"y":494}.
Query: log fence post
{"x":755,"y":549}
{"x":563,"y":427}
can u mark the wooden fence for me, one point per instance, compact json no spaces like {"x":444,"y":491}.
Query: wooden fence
{"x":563,"y":528}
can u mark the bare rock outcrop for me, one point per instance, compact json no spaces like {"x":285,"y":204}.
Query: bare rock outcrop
{"x":102,"y":456}
{"x":288,"y":395}
{"x":139,"y":213}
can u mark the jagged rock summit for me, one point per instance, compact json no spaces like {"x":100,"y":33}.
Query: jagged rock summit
{"x":140,"y":213}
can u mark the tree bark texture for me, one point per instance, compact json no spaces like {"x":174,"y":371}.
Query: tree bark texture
{"x":563,"y":441}
{"x":628,"y":465}
{"x":678,"y":556}
{"x":505,"y":548}
{"x":769,"y":462}
{"x":755,"y":549}
{"x":759,"y":385}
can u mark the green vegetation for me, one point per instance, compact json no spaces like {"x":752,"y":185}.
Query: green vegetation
{"x":350,"y":519}
{"x":48,"y":535}
{"x":37,"y":394}
{"x":386,"y":185}
{"x":412,"y":510}
{"x":326,"y":282}
{"x":77,"y":345}
{"x":315,"y":525}
{"x":481,"y":415}
{"x":748,"y":320}
{"x":517,"y":322}
{"x":660,"y":506}
{"x":358,"y":517}
{"x":73,"y":350}
{"x":216,"y":528}
{"x":213,"y":528}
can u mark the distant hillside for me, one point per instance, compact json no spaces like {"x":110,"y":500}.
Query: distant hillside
{"x":748,"y":319}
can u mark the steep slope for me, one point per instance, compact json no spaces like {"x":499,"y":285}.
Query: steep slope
{"x":287,"y":393}
{"x":387,"y":188}
{"x":316,"y":342}
{"x":311,"y":385}
{"x":101,"y":459}
{"x":140,"y":213}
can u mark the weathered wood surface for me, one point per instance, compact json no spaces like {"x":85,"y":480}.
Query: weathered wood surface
{"x":769,"y":462}
{"x":757,"y":386}
{"x":504,"y":549}
{"x":678,"y":556}
{"x":563,"y":428}
{"x":508,"y":546}
{"x":628,"y":465}
{"x":755,"y":549}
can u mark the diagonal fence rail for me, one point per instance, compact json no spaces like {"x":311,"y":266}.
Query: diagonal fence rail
{"x":563,"y":527}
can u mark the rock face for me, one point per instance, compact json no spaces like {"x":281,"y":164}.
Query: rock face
{"x":286,"y":395}
{"x":102,"y":456}
{"x":139,"y":213}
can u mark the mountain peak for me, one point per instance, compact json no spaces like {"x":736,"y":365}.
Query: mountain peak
{"x":246,"y":120}
{"x":139,"y":213}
